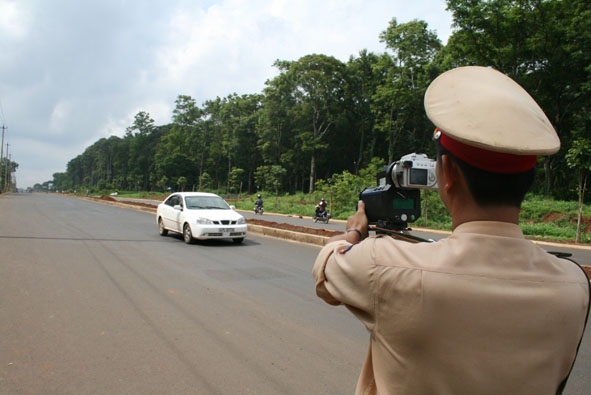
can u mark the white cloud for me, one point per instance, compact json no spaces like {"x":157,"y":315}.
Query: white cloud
{"x":12,"y":20}
{"x":59,"y":116}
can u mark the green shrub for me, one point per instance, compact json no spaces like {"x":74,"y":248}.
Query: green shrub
{"x":548,"y":231}
{"x":540,"y":218}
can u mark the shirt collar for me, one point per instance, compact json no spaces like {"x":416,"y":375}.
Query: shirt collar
{"x":491,"y":228}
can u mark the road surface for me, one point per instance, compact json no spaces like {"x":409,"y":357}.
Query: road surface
{"x":94,"y":301}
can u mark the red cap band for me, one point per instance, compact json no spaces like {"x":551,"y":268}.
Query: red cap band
{"x":494,"y":162}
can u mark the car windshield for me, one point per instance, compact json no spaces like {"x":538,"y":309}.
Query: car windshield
{"x":206,"y":202}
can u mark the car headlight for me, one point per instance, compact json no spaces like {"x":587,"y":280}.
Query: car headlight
{"x":204,"y":221}
{"x":241,"y":221}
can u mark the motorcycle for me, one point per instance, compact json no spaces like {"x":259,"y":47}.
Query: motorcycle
{"x":322,"y":216}
{"x":258,"y":209}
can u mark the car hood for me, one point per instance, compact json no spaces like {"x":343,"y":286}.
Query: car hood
{"x":214,"y":215}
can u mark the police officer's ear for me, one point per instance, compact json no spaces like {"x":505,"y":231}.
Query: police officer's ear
{"x":449,"y":173}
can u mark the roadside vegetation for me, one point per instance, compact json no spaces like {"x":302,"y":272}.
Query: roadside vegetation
{"x":541,"y":219}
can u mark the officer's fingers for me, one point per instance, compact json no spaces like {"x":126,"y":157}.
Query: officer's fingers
{"x":361,"y":213}
{"x":361,"y":207}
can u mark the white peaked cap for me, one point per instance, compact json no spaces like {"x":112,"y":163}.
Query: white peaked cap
{"x":483,"y":108}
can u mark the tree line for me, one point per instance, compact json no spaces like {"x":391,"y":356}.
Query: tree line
{"x":321,"y":117}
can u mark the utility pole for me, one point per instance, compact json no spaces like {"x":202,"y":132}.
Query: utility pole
{"x":7,"y":171}
{"x":2,"y":150}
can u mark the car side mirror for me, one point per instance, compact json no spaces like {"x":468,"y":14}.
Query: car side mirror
{"x":233,"y":207}
{"x":178,"y":207}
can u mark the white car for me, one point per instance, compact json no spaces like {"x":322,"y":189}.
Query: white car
{"x":200,"y":215}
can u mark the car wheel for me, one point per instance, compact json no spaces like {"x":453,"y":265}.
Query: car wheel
{"x":238,"y":240}
{"x":161,"y":229}
{"x":187,"y":235}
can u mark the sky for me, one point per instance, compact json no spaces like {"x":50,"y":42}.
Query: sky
{"x":73,"y":72}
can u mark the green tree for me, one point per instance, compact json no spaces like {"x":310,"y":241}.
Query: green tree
{"x":8,"y":167}
{"x":270,"y":177}
{"x":205,"y":181}
{"x":319,"y":88}
{"x":578,"y":158}
{"x":236,"y":180}
{"x":163,"y":183}
{"x":241,"y":115}
{"x":398,"y":101}
{"x":141,"y":152}
{"x":61,"y":181}
{"x":184,"y":149}
{"x":174,"y":166}
{"x":276,"y":119}
{"x":182,"y":182}
{"x":543,"y":45}
{"x":232,"y":122}
{"x":280,"y":121}
{"x":364,"y":77}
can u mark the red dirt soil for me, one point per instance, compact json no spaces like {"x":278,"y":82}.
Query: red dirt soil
{"x":294,"y":228}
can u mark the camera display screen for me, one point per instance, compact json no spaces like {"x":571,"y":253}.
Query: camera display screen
{"x":418,"y":176}
{"x":403,"y":204}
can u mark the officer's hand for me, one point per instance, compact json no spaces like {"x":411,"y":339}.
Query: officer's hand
{"x":359,"y":221}
{"x":357,"y":227}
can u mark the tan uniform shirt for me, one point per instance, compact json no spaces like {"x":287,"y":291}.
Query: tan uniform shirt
{"x":484,"y":311}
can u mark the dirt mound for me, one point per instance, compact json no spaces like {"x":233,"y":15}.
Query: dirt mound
{"x":294,"y":228}
{"x":555,"y":217}
{"x":107,"y":198}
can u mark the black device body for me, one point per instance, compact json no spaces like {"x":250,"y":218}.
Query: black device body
{"x":392,"y":208}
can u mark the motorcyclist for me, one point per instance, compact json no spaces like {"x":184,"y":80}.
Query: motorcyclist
{"x":259,"y":203}
{"x":320,"y":208}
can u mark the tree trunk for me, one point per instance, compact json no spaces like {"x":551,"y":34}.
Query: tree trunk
{"x":201,"y":159}
{"x":582,"y":187}
{"x":312,"y":173}
{"x":547,"y":177}
{"x":229,"y":171}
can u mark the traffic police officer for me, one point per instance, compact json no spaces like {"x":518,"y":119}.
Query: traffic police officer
{"x":483,"y":311}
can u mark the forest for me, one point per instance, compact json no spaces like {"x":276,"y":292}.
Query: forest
{"x":320,"y":118}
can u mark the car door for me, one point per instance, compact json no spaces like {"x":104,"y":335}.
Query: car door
{"x":177,"y":215}
{"x":170,"y":215}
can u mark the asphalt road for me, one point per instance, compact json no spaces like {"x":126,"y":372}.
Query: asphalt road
{"x":94,"y":301}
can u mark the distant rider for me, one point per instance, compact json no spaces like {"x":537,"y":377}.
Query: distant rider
{"x":321,"y":208}
{"x":259,"y":203}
